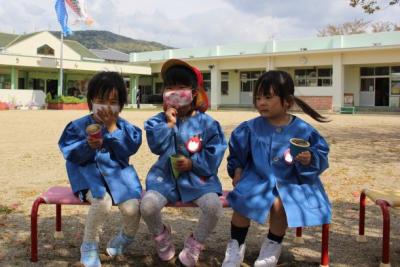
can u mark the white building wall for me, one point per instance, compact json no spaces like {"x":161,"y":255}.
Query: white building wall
{"x":233,"y":97}
{"x":372,"y":56}
{"x":303,"y":60}
{"x":345,"y":66}
{"x":337,"y":82}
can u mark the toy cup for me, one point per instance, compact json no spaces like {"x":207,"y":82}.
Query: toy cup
{"x":298,"y":145}
{"x":94,"y":131}
{"x":174,"y":159}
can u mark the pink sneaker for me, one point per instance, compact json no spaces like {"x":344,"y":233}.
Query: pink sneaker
{"x":164,"y":246}
{"x":191,"y":252}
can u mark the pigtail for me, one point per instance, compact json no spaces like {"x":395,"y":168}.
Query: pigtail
{"x":309,"y":110}
{"x":200,"y":102}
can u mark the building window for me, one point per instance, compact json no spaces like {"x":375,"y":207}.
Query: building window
{"x":207,"y":81}
{"x":367,"y":71}
{"x":45,"y":50}
{"x":325,"y":77}
{"x":225,"y":83}
{"x":313,"y":77}
{"x":395,"y":77}
{"x":367,"y":84}
{"x":159,"y":88}
{"x":5,"y":81}
{"x":248,"y":80}
{"x":374,"y":71}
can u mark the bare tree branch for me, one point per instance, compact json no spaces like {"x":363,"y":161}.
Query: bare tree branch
{"x":370,"y":6}
{"x":347,"y":28}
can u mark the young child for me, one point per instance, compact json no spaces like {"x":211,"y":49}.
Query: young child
{"x":183,"y":129}
{"x":267,"y":179}
{"x":98,"y":167}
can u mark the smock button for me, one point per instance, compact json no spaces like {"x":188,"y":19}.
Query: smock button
{"x":278,"y":130}
{"x":275,"y":159}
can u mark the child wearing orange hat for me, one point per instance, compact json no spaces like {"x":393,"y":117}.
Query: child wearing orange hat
{"x":190,"y":145}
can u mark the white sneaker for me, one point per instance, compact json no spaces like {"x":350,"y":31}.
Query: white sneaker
{"x":234,"y":254}
{"x":269,"y":254}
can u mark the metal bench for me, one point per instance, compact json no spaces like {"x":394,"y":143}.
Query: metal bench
{"x":348,"y":110}
{"x":62,"y":195}
{"x":385,"y":199}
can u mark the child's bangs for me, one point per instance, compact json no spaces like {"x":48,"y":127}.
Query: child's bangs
{"x":179,"y":76}
{"x":266,"y":88}
{"x":105,"y":91}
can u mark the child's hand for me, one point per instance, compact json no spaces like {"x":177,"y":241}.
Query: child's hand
{"x":94,"y":143}
{"x":171,"y":114}
{"x":304,"y":158}
{"x":184,"y":164}
{"x":108,"y":118}
{"x":236,"y":176}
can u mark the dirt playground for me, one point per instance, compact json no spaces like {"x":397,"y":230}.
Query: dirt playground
{"x":365,"y":152}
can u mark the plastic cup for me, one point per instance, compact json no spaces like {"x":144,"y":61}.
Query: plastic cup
{"x":298,"y":145}
{"x":94,"y":131}
{"x":174,"y":159}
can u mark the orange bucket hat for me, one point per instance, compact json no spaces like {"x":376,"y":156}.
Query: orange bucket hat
{"x":201,"y":102}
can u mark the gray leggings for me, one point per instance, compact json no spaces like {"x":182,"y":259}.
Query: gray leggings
{"x":209,"y":204}
{"x":98,"y":211}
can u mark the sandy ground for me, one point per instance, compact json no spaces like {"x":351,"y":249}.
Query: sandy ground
{"x":364,"y":153}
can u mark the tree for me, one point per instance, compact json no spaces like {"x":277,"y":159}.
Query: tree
{"x":370,"y":6}
{"x":383,"y":26}
{"x":352,"y":27}
{"x":358,"y":26}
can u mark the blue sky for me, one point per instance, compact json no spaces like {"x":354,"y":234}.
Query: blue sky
{"x":191,"y":23}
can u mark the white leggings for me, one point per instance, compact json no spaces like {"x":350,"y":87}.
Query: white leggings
{"x":209,"y":204}
{"x":98,"y":211}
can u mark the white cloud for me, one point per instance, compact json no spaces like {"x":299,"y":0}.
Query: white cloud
{"x":193,"y":23}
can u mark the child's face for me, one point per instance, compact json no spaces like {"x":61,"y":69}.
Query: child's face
{"x":108,"y":100}
{"x":178,"y":96}
{"x":270,"y":106}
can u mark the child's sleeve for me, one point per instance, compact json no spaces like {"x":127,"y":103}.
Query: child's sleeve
{"x":74,"y":146}
{"x":159,"y":135}
{"x":239,"y":148}
{"x":319,"y":157}
{"x":124,"y":141}
{"x":206,"y":162}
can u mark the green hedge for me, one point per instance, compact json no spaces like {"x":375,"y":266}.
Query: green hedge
{"x":65,"y":99}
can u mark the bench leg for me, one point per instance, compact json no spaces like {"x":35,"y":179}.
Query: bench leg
{"x":298,"y":239}
{"x":325,"y":245}
{"x":361,"y":223}
{"x":386,"y":232}
{"x":58,"y":234}
{"x":34,"y":232}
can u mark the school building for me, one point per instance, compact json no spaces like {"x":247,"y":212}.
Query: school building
{"x":30,"y":64}
{"x":360,"y":70}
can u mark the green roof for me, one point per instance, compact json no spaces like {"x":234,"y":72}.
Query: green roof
{"x":21,"y":37}
{"x":80,"y":49}
{"x":6,"y":39}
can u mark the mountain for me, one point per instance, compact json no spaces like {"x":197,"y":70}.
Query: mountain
{"x":106,"y":39}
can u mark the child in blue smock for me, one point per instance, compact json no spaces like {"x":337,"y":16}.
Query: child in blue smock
{"x":183,"y":129}
{"x":267,"y":179}
{"x":98,"y":167}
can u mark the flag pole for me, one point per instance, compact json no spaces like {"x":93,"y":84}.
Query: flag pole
{"x":60,"y":84}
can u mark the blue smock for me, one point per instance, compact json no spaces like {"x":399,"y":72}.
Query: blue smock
{"x":106,"y":169}
{"x":165,"y":141}
{"x":258,"y":148}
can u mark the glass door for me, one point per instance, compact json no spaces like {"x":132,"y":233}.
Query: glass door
{"x":367,"y":92}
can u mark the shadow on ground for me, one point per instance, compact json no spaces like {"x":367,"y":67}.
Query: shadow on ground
{"x":344,"y":250}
